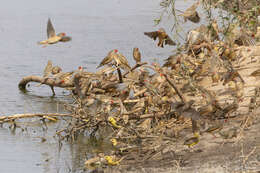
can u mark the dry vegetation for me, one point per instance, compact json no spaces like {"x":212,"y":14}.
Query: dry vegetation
{"x":166,"y":116}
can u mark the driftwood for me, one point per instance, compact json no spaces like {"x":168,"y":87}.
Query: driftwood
{"x":42,"y":115}
{"x":47,"y":81}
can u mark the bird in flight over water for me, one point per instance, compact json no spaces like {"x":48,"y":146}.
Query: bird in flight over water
{"x":52,"y":37}
{"x":162,"y":36}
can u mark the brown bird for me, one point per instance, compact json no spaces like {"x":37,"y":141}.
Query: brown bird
{"x":52,"y":37}
{"x":50,"y":72}
{"x":256,"y":74}
{"x":121,"y":61}
{"x":162,"y":36}
{"x":115,"y":57}
{"x":191,"y":14}
{"x":56,"y":70}
{"x":137,"y":55}
{"x":48,"y":69}
{"x":109,"y":58}
{"x":228,"y":134}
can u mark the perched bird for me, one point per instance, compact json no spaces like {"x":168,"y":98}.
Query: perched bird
{"x":49,"y":73}
{"x":122,"y":61}
{"x":256,"y":74}
{"x":191,"y":14}
{"x":232,"y":75}
{"x":113,"y":122}
{"x":56,"y":70}
{"x":228,"y":134}
{"x":170,"y":132}
{"x":48,"y":69}
{"x":162,"y":36}
{"x":239,"y":36}
{"x":137,"y":55}
{"x":172,"y":61}
{"x":111,"y":160}
{"x":193,"y":140}
{"x":115,"y":57}
{"x":63,"y":77}
{"x":109,"y":58}
{"x":52,"y":37}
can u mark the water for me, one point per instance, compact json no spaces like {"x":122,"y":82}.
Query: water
{"x":96,"y":27}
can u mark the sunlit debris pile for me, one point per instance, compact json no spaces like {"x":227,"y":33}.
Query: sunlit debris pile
{"x":149,"y":107}
{"x":146,"y":108}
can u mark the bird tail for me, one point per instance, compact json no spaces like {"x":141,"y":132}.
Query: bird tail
{"x":43,"y":42}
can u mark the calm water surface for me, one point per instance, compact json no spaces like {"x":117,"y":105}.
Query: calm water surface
{"x":96,"y":27}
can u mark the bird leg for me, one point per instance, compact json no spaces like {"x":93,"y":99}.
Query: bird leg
{"x":119,"y":75}
{"x":52,"y":89}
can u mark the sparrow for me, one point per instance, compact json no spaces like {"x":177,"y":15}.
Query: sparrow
{"x":256,"y":74}
{"x":115,"y":57}
{"x":48,"y":69}
{"x":52,"y":37}
{"x":162,"y":36}
{"x":109,"y":58}
{"x":228,"y":134}
{"x":121,"y":61}
{"x":137,"y":55}
{"x":191,"y":14}
{"x":51,"y":72}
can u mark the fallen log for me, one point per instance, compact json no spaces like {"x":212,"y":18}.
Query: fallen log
{"x":43,"y":115}
{"x":52,"y":82}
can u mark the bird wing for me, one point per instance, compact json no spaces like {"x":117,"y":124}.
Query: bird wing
{"x":123,"y":61}
{"x":169,"y":41}
{"x":50,"y":29}
{"x":255,"y":73}
{"x":107,"y":59}
{"x":48,"y":69}
{"x":65,"y":39}
{"x":193,"y":7}
{"x":152,"y":35}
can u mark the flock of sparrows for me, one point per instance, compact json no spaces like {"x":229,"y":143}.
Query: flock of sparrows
{"x":119,"y":60}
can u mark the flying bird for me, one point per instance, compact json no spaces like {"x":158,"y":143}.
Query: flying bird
{"x":162,"y":36}
{"x":191,"y":14}
{"x":52,"y":37}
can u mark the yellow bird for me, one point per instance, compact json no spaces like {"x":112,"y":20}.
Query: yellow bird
{"x":113,"y":122}
{"x":110,"y":161}
{"x":114,"y":142}
{"x":193,"y":140}
{"x":52,"y":37}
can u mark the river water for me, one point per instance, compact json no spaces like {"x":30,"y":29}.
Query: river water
{"x":96,"y":27}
